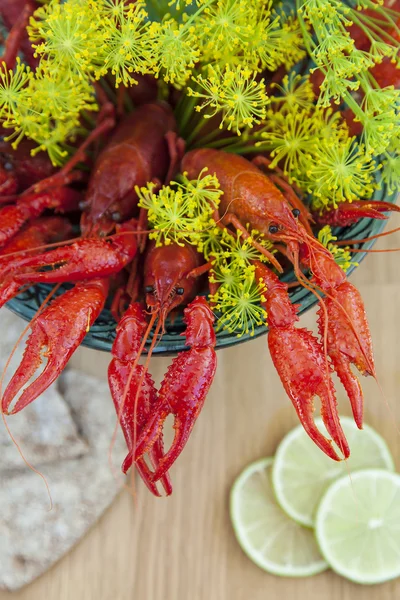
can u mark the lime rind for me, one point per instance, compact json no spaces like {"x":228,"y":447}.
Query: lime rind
{"x":299,"y":495}
{"x":249,"y":533}
{"x":349,"y":521}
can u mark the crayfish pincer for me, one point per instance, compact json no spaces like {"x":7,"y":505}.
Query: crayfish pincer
{"x":141,"y":408}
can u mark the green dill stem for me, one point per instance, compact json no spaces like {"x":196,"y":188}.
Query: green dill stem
{"x":186,"y":111}
{"x":371,"y":28}
{"x":351,"y":103}
{"x":179,"y":106}
{"x":236,"y":149}
{"x":108,"y":89}
{"x":207,"y":140}
{"x":198,"y":12}
{"x":232,"y":141}
{"x":308,"y":41}
{"x":196,"y":130}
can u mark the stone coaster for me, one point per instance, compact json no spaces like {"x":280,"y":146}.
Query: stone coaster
{"x":66,"y":434}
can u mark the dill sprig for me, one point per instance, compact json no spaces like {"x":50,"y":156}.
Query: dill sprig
{"x":342,"y":256}
{"x":346,"y":67}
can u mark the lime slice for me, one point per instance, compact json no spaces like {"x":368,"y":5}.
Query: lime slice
{"x":266,"y":534}
{"x":302,"y":472}
{"x":358,"y":526}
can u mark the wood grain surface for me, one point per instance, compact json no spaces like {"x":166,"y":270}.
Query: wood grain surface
{"x":183,"y":547}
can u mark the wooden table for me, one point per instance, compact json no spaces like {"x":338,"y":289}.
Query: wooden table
{"x":183,"y":547}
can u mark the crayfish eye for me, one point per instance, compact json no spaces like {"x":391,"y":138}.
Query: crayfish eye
{"x":7,"y":162}
{"x":273,"y":228}
{"x":180,"y":291}
{"x":149,"y":289}
{"x":296,"y":212}
{"x":116,"y":216}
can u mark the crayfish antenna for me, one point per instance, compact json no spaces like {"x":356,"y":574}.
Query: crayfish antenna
{"x":58,"y":331}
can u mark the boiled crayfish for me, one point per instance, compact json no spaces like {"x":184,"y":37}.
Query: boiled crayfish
{"x":114,"y":261}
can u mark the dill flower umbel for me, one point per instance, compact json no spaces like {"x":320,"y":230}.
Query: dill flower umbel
{"x":12,"y":85}
{"x":342,"y":171}
{"x":69,"y":35}
{"x":127,"y":45}
{"x":342,"y":256}
{"x":182,"y":212}
{"x":203,"y":193}
{"x":240,"y":308}
{"x":290,"y":138}
{"x":236,"y":94}
{"x":174,"y":51}
{"x":296,"y":92}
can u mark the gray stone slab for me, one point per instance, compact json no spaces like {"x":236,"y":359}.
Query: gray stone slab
{"x":82,"y":486}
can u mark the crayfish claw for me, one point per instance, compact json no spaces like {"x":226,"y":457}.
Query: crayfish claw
{"x":56,"y":334}
{"x":348,"y":341}
{"x":30,"y":362}
{"x":301,"y":365}
{"x":134,"y":404}
{"x":184,"y":387}
{"x":348,"y":213}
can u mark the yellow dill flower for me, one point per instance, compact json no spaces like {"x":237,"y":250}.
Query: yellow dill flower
{"x":174,"y":51}
{"x":240,"y":307}
{"x":289,"y":41}
{"x":291,"y":138}
{"x":174,"y":214}
{"x":341,"y":171}
{"x":44,"y":106}
{"x":50,"y":136}
{"x":296,"y":92}
{"x":391,"y":171}
{"x":203,"y":194}
{"x":53,"y":97}
{"x":342,"y":256}
{"x":226,"y":275}
{"x":126,"y":50}
{"x":224,"y":29}
{"x":210,"y":241}
{"x":240,"y":252}
{"x":235,"y":93}
{"x":69,"y":35}
{"x":12,"y":86}
{"x":381,"y":118}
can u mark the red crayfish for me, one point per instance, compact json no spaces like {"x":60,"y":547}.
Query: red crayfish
{"x":112,"y":258}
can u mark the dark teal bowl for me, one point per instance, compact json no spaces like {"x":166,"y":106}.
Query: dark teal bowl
{"x":102,"y":334}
